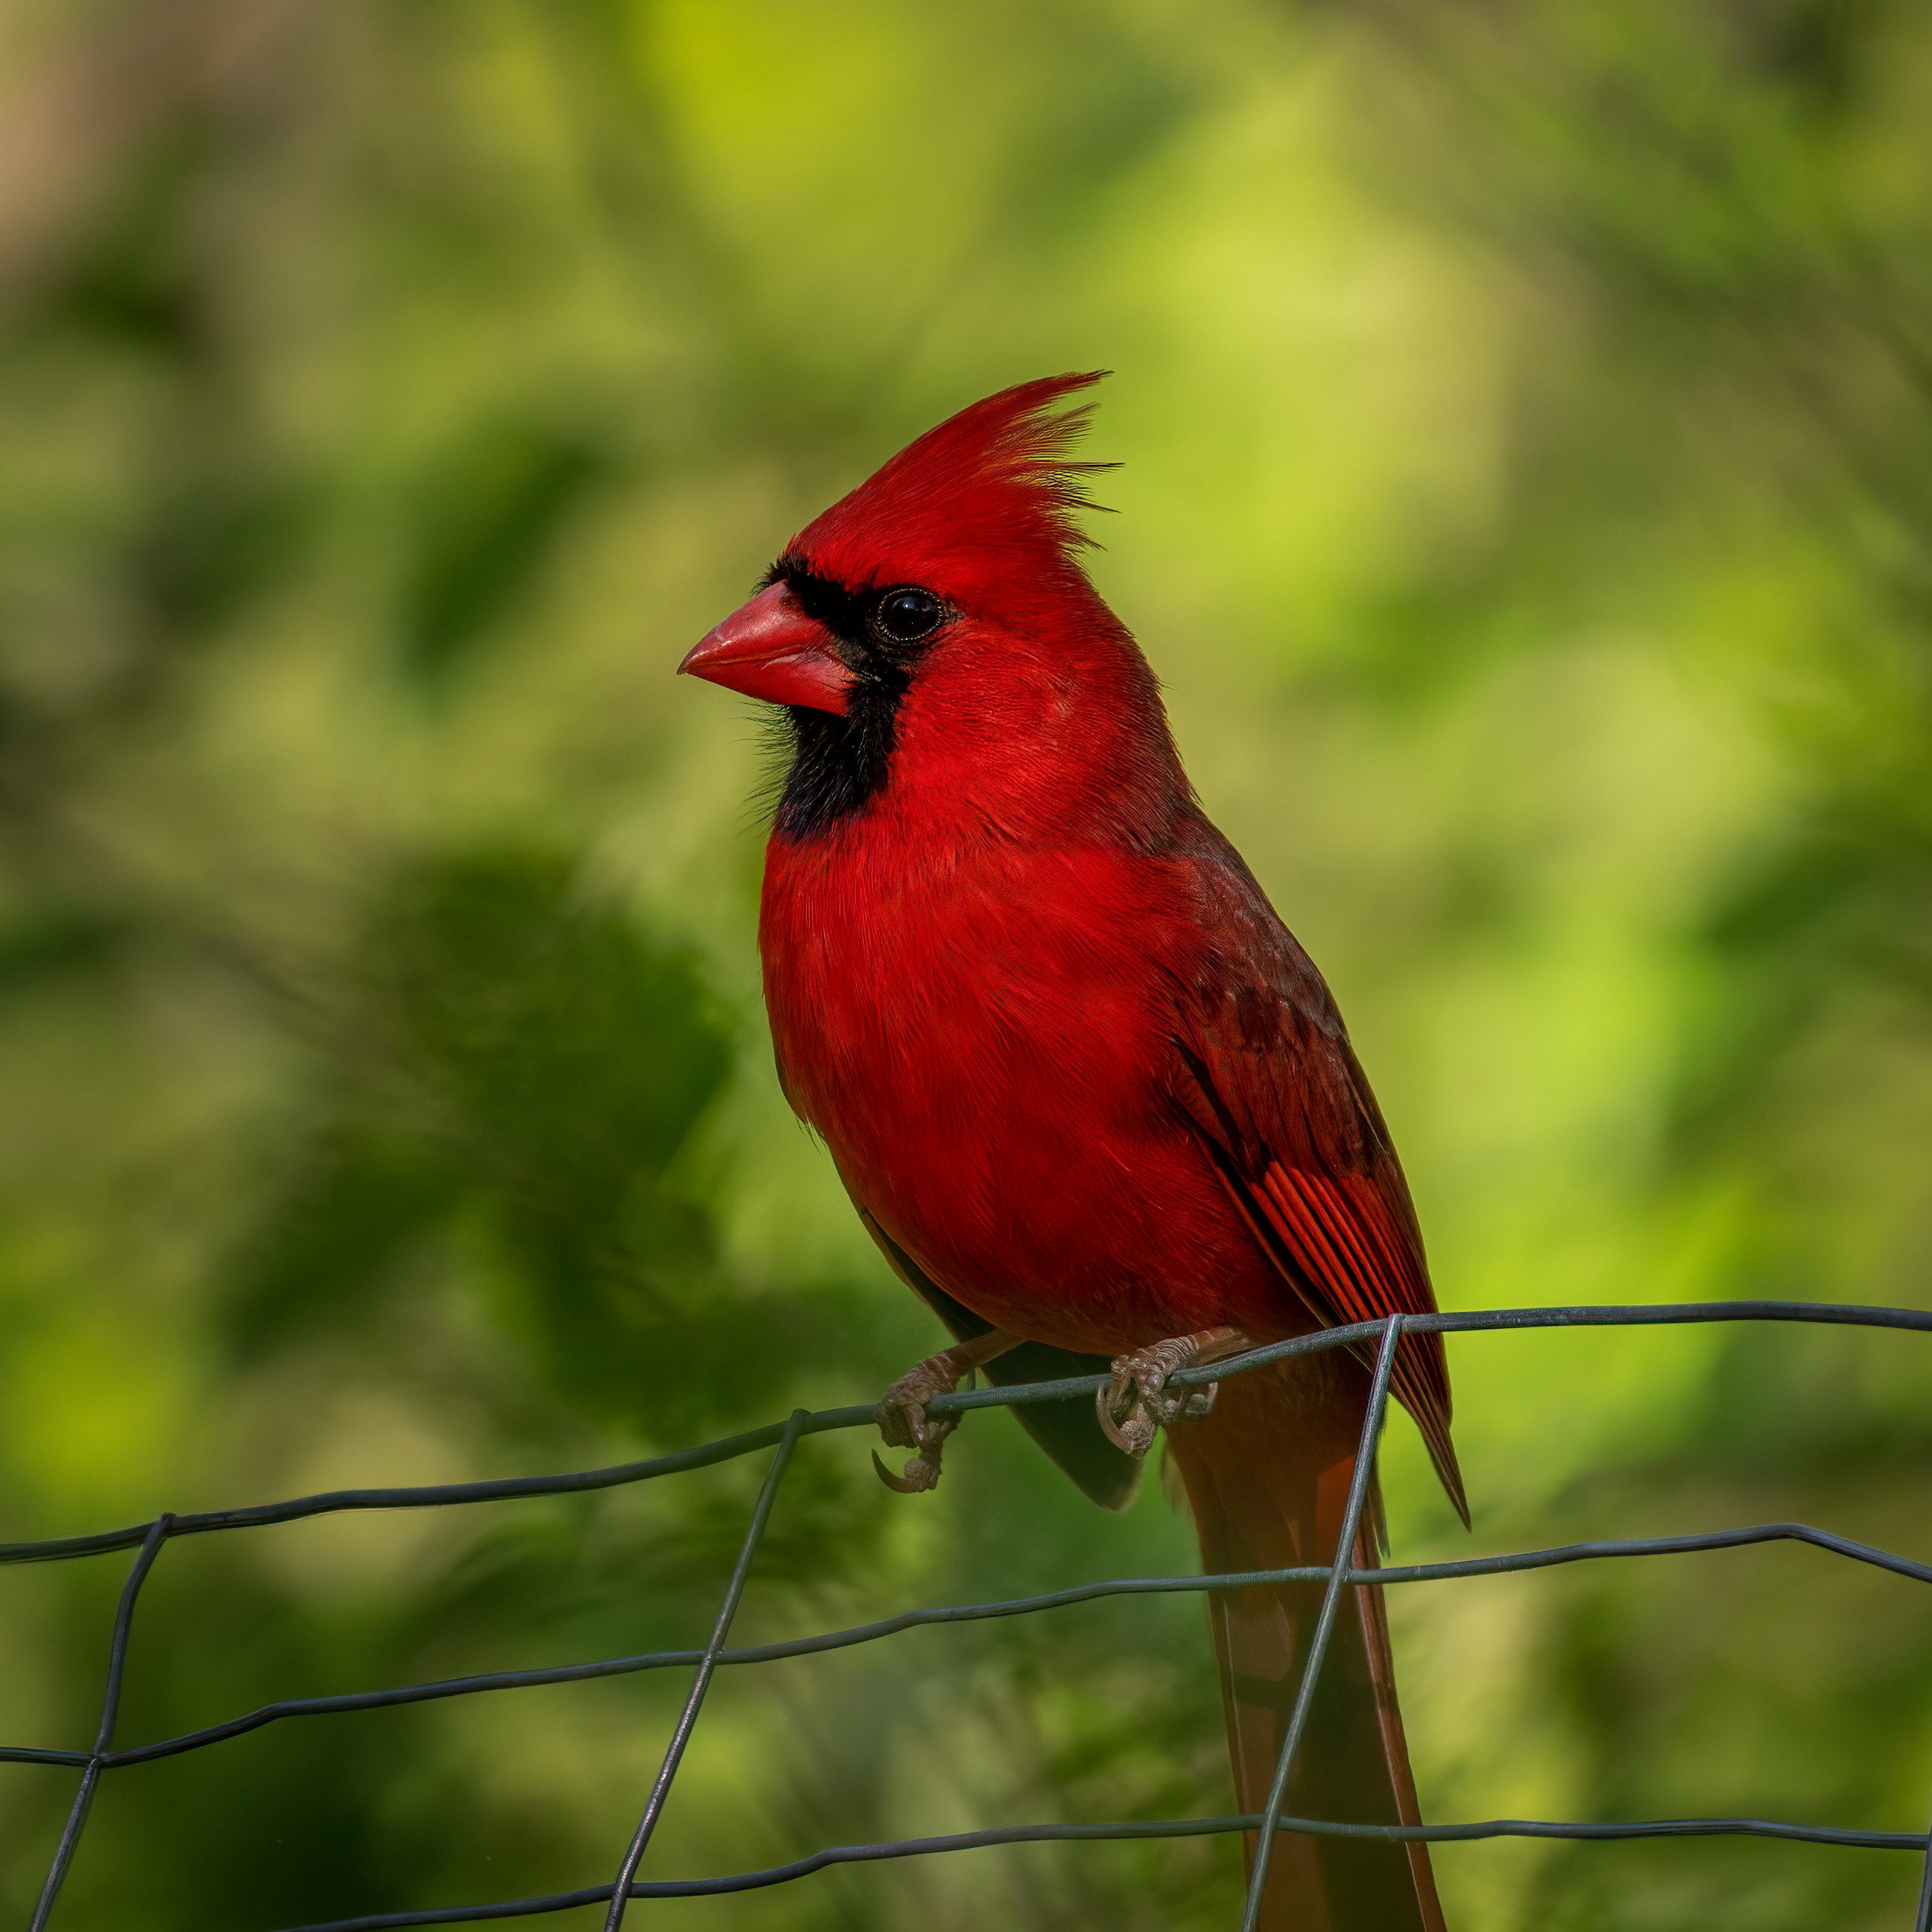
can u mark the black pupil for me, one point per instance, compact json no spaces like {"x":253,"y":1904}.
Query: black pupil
{"x":905,"y":615}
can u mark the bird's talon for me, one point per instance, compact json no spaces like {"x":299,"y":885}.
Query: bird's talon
{"x":1115,"y":1405}
{"x":901,"y":1424}
{"x":1196,"y":1404}
{"x":904,"y":1424}
{"x":1127,"y":1417}
{"x":921,"y":1473}
{"x":1109,"y":1426}
{"x":1126,"y":1432}
{"x":1136,"y":1403}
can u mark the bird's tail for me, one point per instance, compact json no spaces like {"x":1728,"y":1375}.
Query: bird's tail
{"x":1267,"y":1475}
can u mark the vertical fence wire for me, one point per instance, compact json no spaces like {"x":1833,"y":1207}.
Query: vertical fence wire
{"x":1324,"y":1622}
{"x":674,"y":1751}
{"x":110,"y":1709}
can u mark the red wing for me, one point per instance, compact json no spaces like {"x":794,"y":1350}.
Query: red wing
{"x":1272,"y":1086}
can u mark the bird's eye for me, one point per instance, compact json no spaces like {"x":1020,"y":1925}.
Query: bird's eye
{"x":907,"y":614}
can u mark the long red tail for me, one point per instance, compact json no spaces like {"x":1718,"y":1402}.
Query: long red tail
{"x":1267,"y":1475}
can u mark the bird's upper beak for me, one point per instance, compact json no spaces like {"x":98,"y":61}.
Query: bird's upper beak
{"x":772,"y":649}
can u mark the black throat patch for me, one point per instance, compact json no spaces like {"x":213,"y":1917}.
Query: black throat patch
{"x":839,"y":765}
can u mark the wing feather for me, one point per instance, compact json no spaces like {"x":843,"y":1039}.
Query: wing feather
{"x":1273,"y":1091}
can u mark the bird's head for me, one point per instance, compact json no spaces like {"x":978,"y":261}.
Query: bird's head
{"x":933,"y":631}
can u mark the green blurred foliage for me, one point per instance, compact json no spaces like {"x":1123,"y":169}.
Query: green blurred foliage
{"x":1527,"y":411}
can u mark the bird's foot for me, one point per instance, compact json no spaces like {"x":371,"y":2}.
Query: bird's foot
{"x":903,"y":1422}
{"x":1136,"y":1401}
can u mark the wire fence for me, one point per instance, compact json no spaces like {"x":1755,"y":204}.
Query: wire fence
{"x":148,"y":1539}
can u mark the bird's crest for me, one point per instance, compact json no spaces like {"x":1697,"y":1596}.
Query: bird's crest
{"x":991,"y":485}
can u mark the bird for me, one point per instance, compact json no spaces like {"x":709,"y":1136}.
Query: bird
{"x":1090,"y":1097}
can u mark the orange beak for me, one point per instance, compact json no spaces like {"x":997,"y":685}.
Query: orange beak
{"x":772,"y":649}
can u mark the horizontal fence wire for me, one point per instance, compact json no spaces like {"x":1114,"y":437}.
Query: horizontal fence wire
{"x":1380,"y":1337}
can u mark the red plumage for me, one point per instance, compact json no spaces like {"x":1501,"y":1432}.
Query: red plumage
{"x":1083,"y":1084}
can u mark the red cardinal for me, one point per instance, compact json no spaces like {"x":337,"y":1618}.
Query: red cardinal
{"x":1087,"y":1092}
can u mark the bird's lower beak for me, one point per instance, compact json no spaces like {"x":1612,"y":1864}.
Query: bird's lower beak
{"x":772,"y":649}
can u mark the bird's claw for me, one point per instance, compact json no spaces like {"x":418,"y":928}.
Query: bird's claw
{"x":904,"y":1423}
{"x":921,"y":1473}
{"x":1136,"y":1403}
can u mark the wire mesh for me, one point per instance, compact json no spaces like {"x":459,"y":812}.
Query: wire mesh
{"x":149,"y":1539}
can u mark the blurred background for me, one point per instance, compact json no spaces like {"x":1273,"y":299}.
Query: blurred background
{"x":1526,"y":413}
